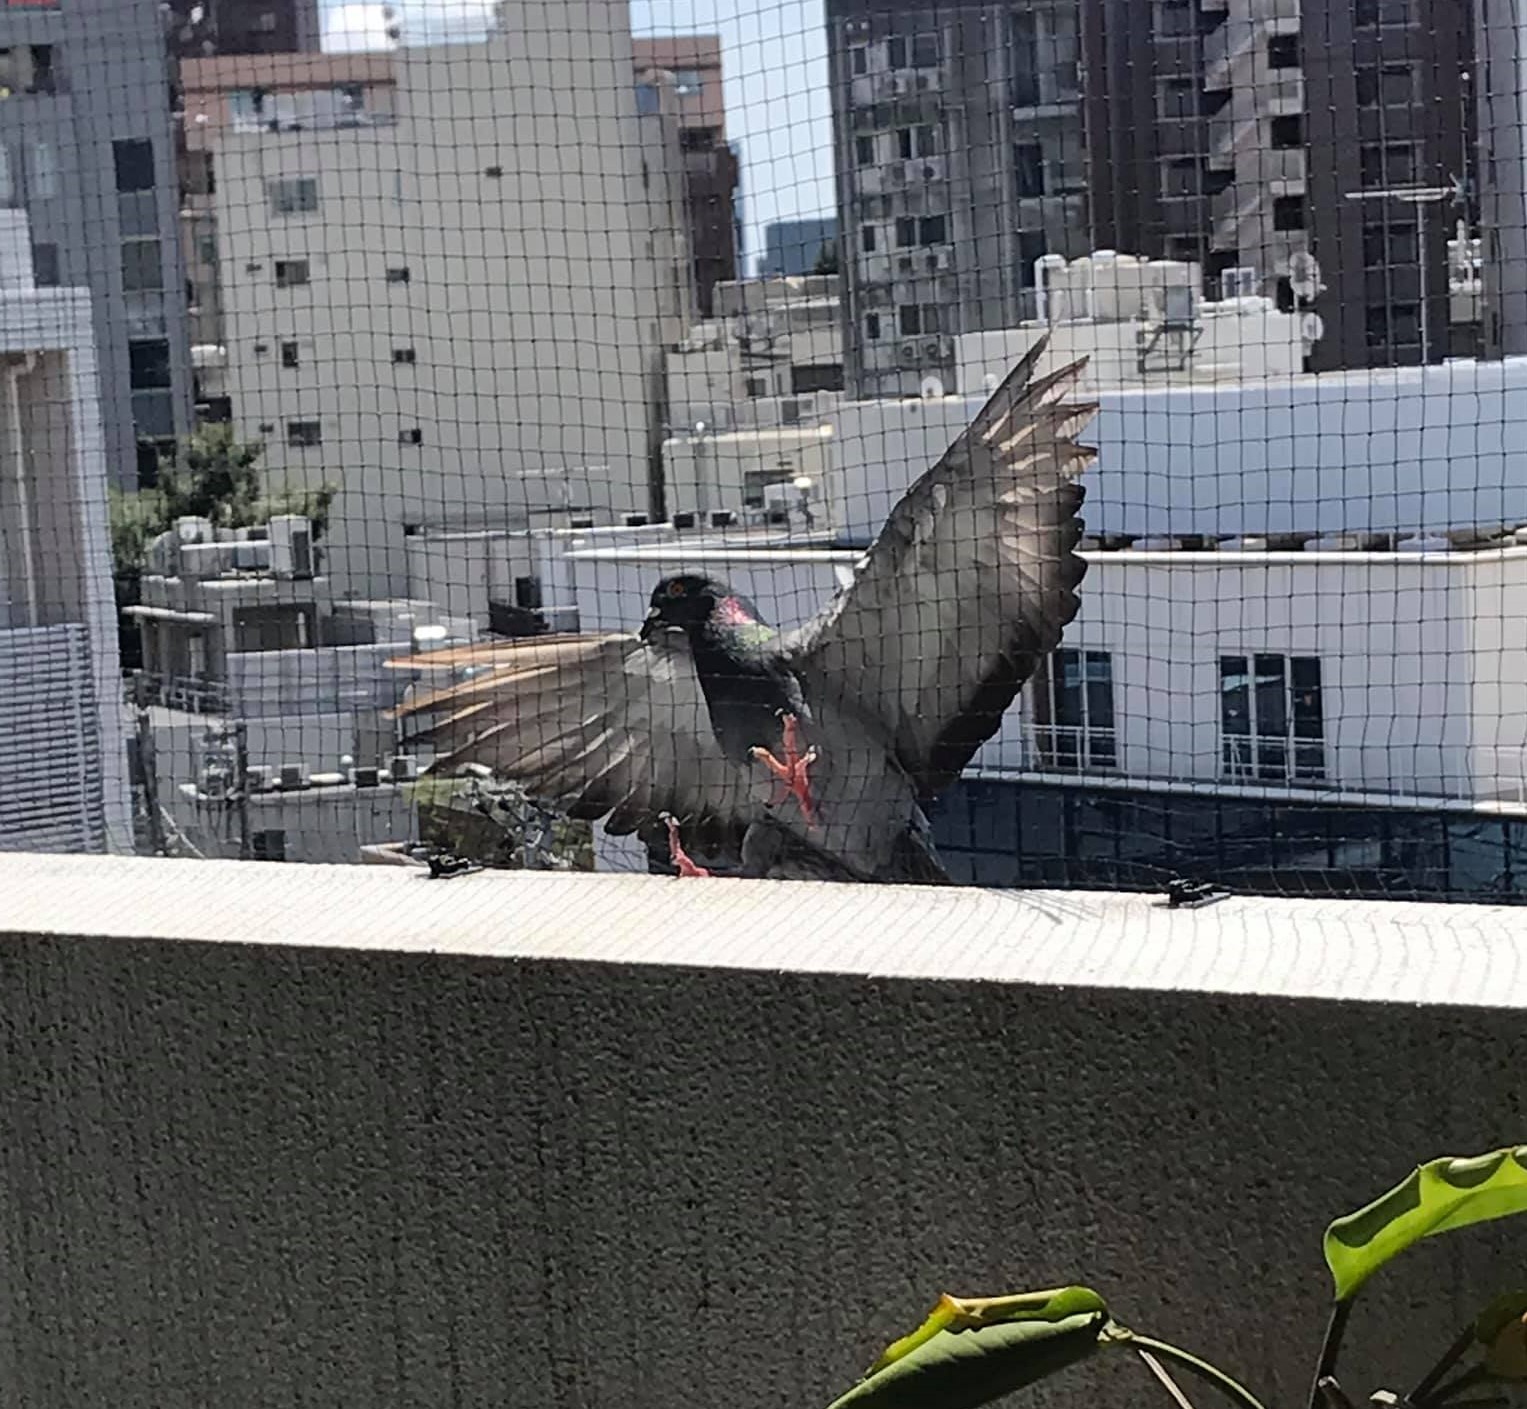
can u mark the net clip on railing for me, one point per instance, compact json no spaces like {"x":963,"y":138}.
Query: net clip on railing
{"x":1183,"y":893}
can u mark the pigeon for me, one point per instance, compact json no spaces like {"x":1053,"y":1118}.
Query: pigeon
{"x":811,"y":753}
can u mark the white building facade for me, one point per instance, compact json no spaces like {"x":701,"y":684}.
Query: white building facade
{"x":458,"y":317}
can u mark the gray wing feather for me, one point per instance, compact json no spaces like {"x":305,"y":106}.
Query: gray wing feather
{"x":602,"y":726}
{"x":969,"y":584}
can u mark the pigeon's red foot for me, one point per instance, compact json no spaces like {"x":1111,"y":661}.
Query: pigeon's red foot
{"x":792,"y":772}
{"x":676,"y":852}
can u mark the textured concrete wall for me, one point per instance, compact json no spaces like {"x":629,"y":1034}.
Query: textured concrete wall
{"x":249,"y":1175}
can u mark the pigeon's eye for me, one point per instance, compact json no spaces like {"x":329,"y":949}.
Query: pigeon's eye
{"x":675,"y":589}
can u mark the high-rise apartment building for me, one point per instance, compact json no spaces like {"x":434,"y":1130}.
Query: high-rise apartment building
{"x":959,"y":144}
{"x":87,"y":149}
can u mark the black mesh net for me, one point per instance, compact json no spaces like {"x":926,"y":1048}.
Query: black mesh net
{"x":1068,"y":443}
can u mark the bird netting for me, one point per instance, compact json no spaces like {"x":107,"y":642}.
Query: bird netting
{"x":1016,"y":442}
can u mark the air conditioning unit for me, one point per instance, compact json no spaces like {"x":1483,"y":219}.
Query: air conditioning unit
{"x":933,"y":349}
{"x":293,"y":776}
{"x":194,"y":530}
{"x":291,"y":546}
{"x":902,"y":85}
{"x":790,"y":413}
{"x":403,"y":768}
{"x":904,"y":264}
{"x":259,"y":778}
{"x":1240,"y":282}
{"x":909,"y":354}
{"x":207,"y":559}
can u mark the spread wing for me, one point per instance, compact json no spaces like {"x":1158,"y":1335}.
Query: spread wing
{"x":593,"y":724}
{"x":969,"y":584}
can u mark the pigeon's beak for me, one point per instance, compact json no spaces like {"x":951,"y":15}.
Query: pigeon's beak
{"x":653,"y":613}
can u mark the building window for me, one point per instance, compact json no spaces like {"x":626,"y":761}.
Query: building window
{"x":148,"y":365}
{"x":45,"y":268}
{"x":1287,"y":131}
{"x":933,"y":230}
{"x":1394,"y":325}
{"x":1033,"y":245}
{"x":411,"y":435}
{"x":820,"y":376}
{"x":1029,"y":169}
{"x":398,"y":274}
{"x":293,"y":196}
{"x":1387,"y":164}
{"x":906,"y":231}
{"x":858,"y":60}
{"x":404,"y":356}
{"x":1182,"y":176}
{"x":1023,"y":59}
{"x":646,"y":99}
{"x":134,"y":161}
{"x":867,"y":238}
{"x":1386,"y":85}
{"x":1391,"y":245}
{"x":896,"y":51}
{"x":291,"y":273}
{"x":871,"y":326}
{"x":42,"y":171}
{"x":290,"y":355}
{"x":1283,"y":51}
{"x":267,"y":845}
{"x":1271,"y":718}
{"x":1073,"y":708}
{"x":756,"y":386}
{"x":1177,"y":99}
{"x":303,"y":435}
{"x":864,"y":151}
{"x":687,"y":82}
{"x":925,"y":50}
{"x":142,"y":265}
{"x":1288,"y":213}
{"x":1367,"y":13}
{"x":915,"y":318}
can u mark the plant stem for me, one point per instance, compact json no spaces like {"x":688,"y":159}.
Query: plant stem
{"x":1450,"y":1357}
{"x":1233,"y":1388}
{"x":1330,"y":1347}
{"x":1475,"y":1374}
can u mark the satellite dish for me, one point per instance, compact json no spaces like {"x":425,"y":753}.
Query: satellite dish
{"x":1304,"y":275}
{"x":1312,"y":327}
{"x":931,"y":388}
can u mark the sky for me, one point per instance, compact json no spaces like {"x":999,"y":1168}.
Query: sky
{"x":775,"y":63}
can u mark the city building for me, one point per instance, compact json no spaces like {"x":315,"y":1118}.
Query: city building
{"x":87,"y":149}
{"x":256,"y":667}
{"x":1319,"y":149}
{"x":798,"y":246}
{"x":961,"y":160}
{"x":1321,"y":152}
{"x":1498,"y":81}
{"x":689,"y":68}
{"x":495,"y":369}
{"x":63,"y":762}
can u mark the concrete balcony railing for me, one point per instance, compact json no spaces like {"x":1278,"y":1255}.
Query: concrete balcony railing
{"x":352,"y":1136}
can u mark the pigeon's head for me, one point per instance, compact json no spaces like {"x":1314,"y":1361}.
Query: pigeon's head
{"x":687,"y":601}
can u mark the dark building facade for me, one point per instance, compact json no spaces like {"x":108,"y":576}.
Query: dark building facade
{"x":1251,"y":135}
{"x":1391,"y":118}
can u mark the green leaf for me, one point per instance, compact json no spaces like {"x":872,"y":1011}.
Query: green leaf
{"x":970,"y":1351}
{"x":1436,"y":1198}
